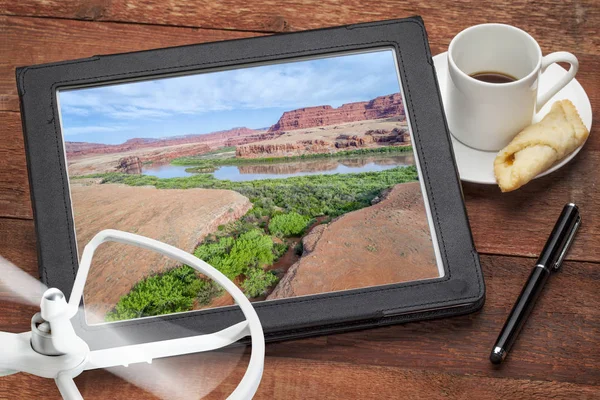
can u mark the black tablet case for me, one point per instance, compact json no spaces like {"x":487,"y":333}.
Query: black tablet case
{"x":460,"y":291}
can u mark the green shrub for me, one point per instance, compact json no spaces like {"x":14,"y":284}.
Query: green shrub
{"x":165,"y":293}
{"x":257,"y":282}
{"x":290,"y":224}
{"x":279,"y":249}
{"x":207,"y":251}
{"x":234,"y":256}
{"x":253,"y":249}
{"x":201,"y":169}
{"x":208,"y":291}
{"x":299,"y":248}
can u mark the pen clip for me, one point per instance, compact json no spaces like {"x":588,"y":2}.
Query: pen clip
{"x":567,"y":245}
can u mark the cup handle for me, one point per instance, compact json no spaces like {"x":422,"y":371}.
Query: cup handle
{"x":559,"y":56}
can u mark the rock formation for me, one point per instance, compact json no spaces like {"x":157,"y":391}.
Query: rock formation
{"x":111,"y":162}
{"x":395,"y":136}
{"x":179,"y":217}
{"x":308,"y":117}
{"x":164,"y":155}
{"x":371,"y":138}
{"x":129,"y":165}
{"x":210,"y":140}
{"x":281,"y":149}
{"x":240,"y":140}
{"x":389,"y":242}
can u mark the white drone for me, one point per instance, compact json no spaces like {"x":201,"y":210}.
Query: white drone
{"x":53,"y":350}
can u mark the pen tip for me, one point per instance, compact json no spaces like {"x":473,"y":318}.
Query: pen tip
{"x":497,"y":355}
{"x":495,"y":358}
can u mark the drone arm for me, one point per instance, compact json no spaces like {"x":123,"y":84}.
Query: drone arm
{"x":146,"y":352}
{"x":9,"y":343}
{"x":67,"y":388}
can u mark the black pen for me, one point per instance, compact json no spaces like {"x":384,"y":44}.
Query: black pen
{"x":550,"y":260}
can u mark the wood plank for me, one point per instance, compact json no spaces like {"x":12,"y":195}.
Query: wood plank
{"x":570,"y":24}
{"x":519,"y":222}
{"x":14,"y":186}
{"x":28,"y":41}
{"x":566,"y":320}
{"x":290,"y":378}
{"x":17,"y":245}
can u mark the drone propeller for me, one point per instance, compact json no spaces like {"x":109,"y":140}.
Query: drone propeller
{"x":182,"y":377}
{"x":28,"y":290}
{"x":159,"y":377}
{"x":24,"y":287}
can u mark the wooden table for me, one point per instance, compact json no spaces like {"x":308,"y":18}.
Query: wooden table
{"x":557,"y":354}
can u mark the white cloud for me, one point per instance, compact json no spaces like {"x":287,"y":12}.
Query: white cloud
{"x":332,"y":81}
{"x":79,"y":130}
{"x":79,"y":111}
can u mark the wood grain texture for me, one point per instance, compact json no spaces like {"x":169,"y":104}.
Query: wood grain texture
{"x":519,"y":222}
{"x":296,"y":379}
{"x":556,"y":355}
{"x":14,"y":186}
{"x":570,"y":23}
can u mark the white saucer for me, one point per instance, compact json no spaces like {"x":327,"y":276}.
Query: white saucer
{"x":477,"y":166}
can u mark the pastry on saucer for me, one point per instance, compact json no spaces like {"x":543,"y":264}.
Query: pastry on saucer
{"x":539,"y":146}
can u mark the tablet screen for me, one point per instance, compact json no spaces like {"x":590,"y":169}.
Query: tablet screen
{"x":292,"y":179}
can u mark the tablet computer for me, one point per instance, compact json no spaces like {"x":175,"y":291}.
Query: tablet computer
{"x":314,"y":169}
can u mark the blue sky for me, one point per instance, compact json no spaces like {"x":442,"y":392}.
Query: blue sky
{"x":252,"y":97}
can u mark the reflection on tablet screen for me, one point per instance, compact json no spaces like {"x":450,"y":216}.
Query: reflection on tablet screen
{"x":292,"y":179}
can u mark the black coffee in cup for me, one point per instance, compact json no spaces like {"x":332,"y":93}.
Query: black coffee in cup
{"x":493,"y":77}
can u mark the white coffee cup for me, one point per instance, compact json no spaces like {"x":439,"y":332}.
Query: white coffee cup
{"x":486,"y":116}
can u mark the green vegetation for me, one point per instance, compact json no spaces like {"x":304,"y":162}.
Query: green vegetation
{"x":235,"y":256}
{"x":299,"y":248}
{"x":201,"y":169}
{"x":209,"y":291}
{"x":203,"y":160}
{"x":257,"y":282}
{"x":220,"y":150}
{"x":290,"y":224}
{"x":310,"y":195}
{"x":244,"y":248}
{"x":165,"y":293}
{"x":280,"y":249}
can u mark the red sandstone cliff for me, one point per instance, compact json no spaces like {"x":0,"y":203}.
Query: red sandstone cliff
{"x":255,"y":137}
{"x":308,"y":117}
{"x":395,"y":137}
{"x":130,"y":165}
